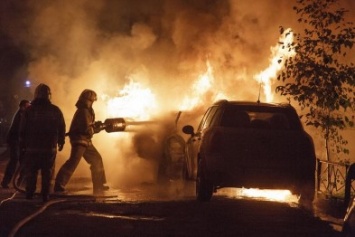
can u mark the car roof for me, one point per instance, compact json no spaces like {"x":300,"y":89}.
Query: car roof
{"x":251,"y":103}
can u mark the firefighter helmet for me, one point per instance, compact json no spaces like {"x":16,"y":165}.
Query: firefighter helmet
{"x":88,"y":95}
{"x":23,"y":103}
{"x":42,"y":92}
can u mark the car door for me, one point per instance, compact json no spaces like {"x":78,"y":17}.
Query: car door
{"x":194,"y":142}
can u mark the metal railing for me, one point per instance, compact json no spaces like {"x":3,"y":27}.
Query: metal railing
{"x":331,"y":179}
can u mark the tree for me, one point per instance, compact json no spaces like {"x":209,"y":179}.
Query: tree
{"x":318,"y":76}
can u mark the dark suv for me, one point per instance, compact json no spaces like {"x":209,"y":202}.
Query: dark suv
{"x":251,"y":145}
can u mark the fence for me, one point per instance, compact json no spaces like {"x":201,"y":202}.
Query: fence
{"x":331,"y":179}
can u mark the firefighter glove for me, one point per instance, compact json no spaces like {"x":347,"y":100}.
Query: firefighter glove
{"x":98,"y":126}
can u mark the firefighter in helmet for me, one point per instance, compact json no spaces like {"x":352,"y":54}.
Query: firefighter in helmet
{"x":42,"y":132}
{"x":80,"y":133}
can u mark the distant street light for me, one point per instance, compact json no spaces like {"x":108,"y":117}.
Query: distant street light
{"x":27,"y":83}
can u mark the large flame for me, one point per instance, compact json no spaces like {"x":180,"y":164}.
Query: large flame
{"x":199,"y":88}
{"x":202,"y":86}
{"x":138,"y":102}
{"x":133,"y":101}
{"x":278,"y":52}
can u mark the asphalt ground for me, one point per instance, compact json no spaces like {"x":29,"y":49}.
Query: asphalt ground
{"x":147,"y":204}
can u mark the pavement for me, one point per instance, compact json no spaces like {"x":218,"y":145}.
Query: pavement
{"x":326,"y":209}
{"x":78,"y":186}
{"x":82,"y":187}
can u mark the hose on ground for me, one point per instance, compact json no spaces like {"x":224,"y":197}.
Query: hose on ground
{"x":8,"y":199}
{"x":15,"y":177}
{"x":21,"y":223}
{"x":27,"y":219}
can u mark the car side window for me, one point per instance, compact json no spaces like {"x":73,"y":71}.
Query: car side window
{"x":208,"y":118}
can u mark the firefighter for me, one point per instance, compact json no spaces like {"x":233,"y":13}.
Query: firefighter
{"x":80,"y":133}
{"x":12,"y":140}
{"x":42,"y":132}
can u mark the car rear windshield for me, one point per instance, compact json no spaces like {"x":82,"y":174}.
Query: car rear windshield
{"x":277,"y":118}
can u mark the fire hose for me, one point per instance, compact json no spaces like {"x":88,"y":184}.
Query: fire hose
{"x":119,"y":124}
{"x":15,"y":182}
{"x":116,"y":125}
{"x":110,"y":125}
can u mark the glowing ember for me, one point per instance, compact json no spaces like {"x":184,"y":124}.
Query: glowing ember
{"x":268,"y":194}
{"x":278,"y":52}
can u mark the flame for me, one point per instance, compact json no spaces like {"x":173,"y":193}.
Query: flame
{"x":133,"y":101}
{"x":200,"y":87}
{"x":278,"y":52}
{"x":268,"y":194}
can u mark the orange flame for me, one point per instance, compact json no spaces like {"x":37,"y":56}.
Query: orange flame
{"x":200,"y":87}
{"x":268,"y":194}
{"x":277,"y":52}
{"x":134,"y":101}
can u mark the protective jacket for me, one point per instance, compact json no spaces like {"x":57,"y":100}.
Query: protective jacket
{"x":81,"y":128}
{"x":42,"y":127}
{"x":13,"y":133}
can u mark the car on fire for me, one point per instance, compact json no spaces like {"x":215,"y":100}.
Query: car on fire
{"x":250,"y":145}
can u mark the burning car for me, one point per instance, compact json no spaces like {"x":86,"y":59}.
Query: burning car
{"x":250,"y":145}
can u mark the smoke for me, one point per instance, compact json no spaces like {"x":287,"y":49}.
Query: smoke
{"x":73,"y":45}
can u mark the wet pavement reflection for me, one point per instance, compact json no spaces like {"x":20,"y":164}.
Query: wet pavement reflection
{"x":160,"y":191}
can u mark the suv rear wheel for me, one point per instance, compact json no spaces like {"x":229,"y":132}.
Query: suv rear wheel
{"x":204,"y":187}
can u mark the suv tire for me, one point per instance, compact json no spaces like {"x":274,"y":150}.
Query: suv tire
{"x":204,"y":187}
